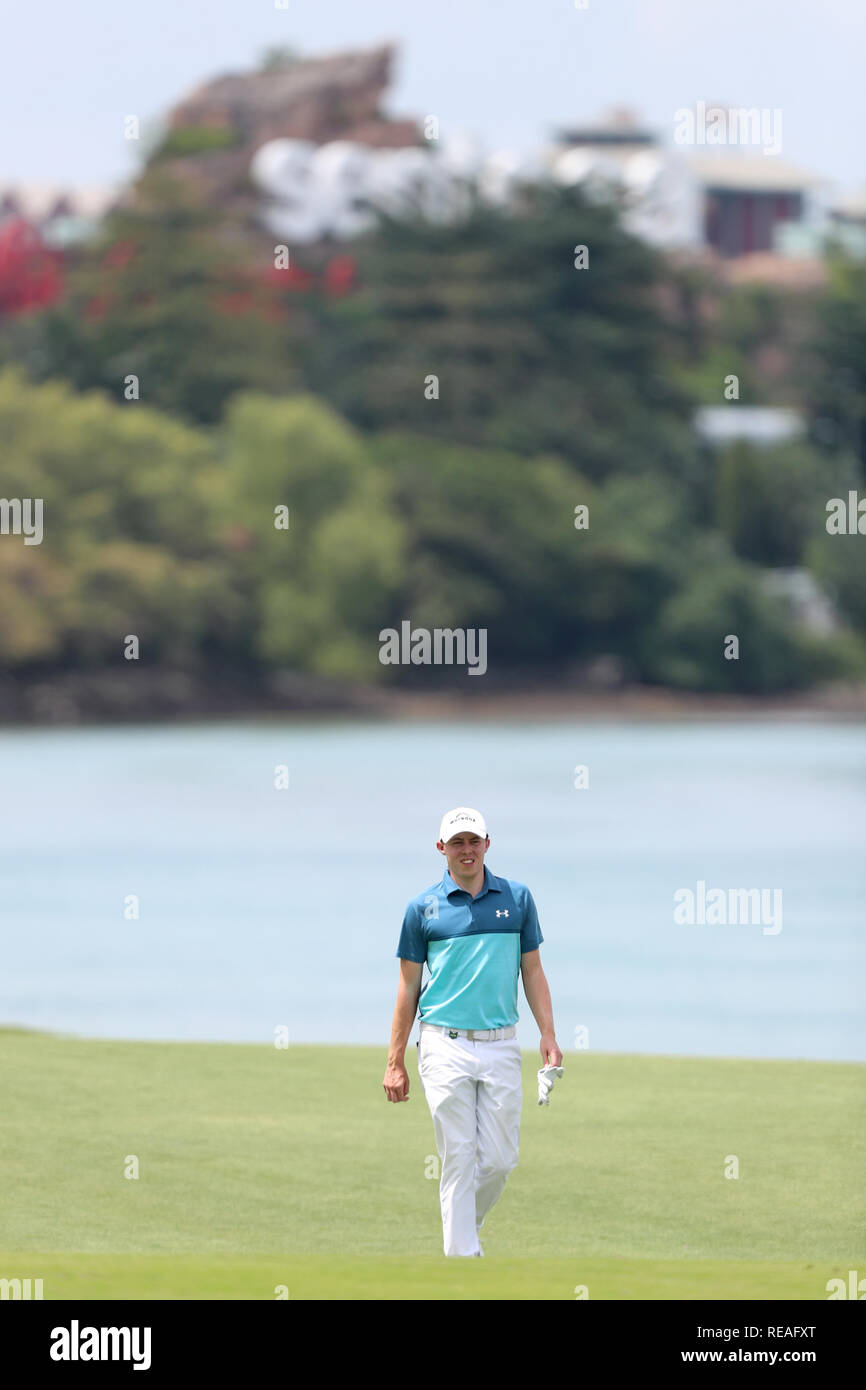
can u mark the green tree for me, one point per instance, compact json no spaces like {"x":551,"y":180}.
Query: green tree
{"x":531,"y":354}
{"x":319,"y":589}
{"x":836,"y":383}
{"x":163,"y":298}
{"x":686,"y":646}
{"x":771,"y":500}
{"x":130,"y":534}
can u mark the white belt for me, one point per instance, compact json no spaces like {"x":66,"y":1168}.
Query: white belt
{"x":474,"y":1034}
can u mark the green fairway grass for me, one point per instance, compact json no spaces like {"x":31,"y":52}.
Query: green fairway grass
{"x":72,"y":1276}
{"x":264,"y":1171}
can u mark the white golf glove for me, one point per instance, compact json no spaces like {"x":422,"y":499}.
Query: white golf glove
{"x":546,"y":1077}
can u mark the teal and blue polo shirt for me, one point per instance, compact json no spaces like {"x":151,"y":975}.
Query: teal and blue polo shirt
{"x":472,"y":947}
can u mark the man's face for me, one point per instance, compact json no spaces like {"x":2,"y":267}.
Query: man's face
{"x":465,"y":853}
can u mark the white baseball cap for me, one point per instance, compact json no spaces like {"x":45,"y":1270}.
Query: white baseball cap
{"x":462,"y":819}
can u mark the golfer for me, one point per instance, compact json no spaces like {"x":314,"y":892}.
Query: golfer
{"x":475,"y":932}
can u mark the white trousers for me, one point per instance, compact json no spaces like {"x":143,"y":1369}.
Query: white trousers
{"x":474,"y":1093}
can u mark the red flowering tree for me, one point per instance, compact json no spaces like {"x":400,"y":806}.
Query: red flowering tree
{"x":30,"y":273}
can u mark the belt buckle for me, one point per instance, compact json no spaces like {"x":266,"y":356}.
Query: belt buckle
{"x":453,"y":1032}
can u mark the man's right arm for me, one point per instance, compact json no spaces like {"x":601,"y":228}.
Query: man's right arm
{"x":396,"y":1080}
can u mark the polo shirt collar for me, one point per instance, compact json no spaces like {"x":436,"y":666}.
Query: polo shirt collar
{"x":491,"y":884}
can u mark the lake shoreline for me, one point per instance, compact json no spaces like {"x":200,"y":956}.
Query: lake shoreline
{"x":133,"y":695}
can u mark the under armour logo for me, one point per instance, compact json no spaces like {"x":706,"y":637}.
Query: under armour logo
{"x":501,"y":914}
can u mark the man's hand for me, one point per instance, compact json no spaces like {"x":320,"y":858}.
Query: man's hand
{"x":396,"y":1082}
{"x":550,"y":1053}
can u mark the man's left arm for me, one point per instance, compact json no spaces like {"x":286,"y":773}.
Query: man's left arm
{"x":537,"y":993}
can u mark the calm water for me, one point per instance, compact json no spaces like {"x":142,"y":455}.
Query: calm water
{"x":261,"y":908}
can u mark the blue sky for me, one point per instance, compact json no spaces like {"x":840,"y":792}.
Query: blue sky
{"x":507,"y":71}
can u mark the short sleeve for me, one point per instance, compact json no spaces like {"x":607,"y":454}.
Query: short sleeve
{"x":530,"y":931}
{"x":412,"y":944}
